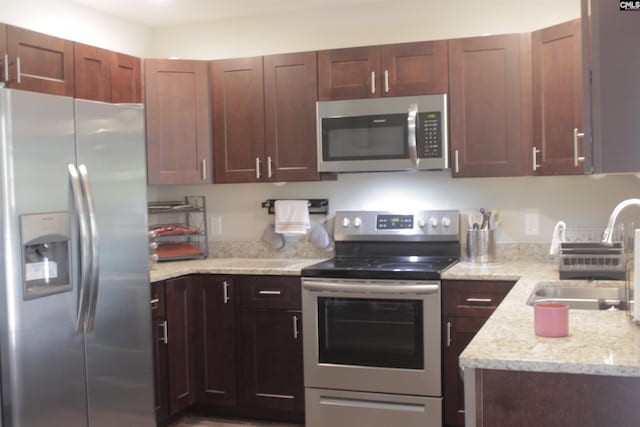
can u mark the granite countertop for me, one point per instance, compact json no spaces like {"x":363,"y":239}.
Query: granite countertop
{"x":599,"y":342}
{"x":267,"y":266}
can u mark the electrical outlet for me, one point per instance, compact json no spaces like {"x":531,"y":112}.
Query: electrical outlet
{"x":532,"y":224}
{"x":215,"y":225}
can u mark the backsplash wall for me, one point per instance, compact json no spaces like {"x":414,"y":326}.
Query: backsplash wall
{"x":578,"y":200}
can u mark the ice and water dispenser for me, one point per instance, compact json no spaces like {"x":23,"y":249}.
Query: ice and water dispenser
{"x":46,"y":251}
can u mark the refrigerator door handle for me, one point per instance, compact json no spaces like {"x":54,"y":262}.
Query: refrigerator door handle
{"x":85,"y":261}
{"x":95,"y":250}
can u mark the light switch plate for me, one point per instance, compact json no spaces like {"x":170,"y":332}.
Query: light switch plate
{"x":215,"y":225}
{"x":532,"y":223}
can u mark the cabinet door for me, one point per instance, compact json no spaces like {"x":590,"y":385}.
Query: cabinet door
{"x":290,"y":91}
{"x":350,"y":73}
{"x":160,"y":369}
{"x":458,"y":333}
{"x":238,"y":120}
{"x":41,"y":63}
{"x":486,"y":106}
{"x":557,"y":98}
{"x":180,"y":321}
{"x":615,"y":91}
{"x":126,"y":79}
{"x":177,"y":111}
{"x":216,"y":340}
{"x":414,"y":68}
{"x":271,"y":360}
{"x":92,"y":73}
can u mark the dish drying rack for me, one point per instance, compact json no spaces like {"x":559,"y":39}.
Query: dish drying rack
{"x":584,"y":256}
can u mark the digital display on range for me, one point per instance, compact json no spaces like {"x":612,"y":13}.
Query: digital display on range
{"x":394,"y":222}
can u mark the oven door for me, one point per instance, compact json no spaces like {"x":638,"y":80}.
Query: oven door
{"x":372,"y":335}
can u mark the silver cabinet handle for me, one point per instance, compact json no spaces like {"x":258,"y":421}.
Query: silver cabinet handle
{"x":18,"y":70}
{"x":296,"y":331}
{"x":535,"y":159}
{"x":203,"y":165}
{"x":480,"y":300}
{"x":84,"y":247}
{"x":449,"y":334}
{"x":94,"y":278}
{"x":386,"y":81}
{"x":225,"y":291}
{"x":6,"y":68}
{"x":269,"y":167}
{"x":412,"y":141}
{"x":257,"y":167}
{"x":373,"y":82}
{"x":456,"y":161}
{"x":270,"y":292}
{"x":154,"y":303}
{"x":576,"y":135}
{"x":165,"y":333}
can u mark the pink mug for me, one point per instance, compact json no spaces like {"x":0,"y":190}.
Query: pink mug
{"x":551,"y":319}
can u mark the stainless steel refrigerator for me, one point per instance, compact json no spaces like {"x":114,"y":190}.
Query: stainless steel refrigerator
{"x":75,"y":321}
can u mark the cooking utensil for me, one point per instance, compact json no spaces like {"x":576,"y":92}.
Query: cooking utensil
{"x":486,"y":218}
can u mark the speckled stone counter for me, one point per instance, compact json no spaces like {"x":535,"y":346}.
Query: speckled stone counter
{"x":267,"y":266}
{"x":599,"y":342}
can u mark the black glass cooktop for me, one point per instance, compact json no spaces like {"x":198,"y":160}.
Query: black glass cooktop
{"x":396,"y":267}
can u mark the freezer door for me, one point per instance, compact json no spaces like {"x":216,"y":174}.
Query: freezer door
{"x":111,"y":144}
{"x":43,"y":369}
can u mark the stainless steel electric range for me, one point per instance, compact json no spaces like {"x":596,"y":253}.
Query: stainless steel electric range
{"x":372,"y":323}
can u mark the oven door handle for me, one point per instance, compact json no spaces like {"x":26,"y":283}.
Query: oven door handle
{"x":379,"y":288}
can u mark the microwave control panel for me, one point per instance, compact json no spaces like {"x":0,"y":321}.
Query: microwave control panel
{"x":429,"y":134}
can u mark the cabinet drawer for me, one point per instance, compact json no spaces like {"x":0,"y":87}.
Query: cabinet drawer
{"x":158,"y":308}
{"x":473,"y":298}
{"x":276,"y":292}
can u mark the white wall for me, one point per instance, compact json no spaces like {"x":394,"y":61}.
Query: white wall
{"x":385,"y":22}
{"x":71,"y":21}
{"x":578,"y":200}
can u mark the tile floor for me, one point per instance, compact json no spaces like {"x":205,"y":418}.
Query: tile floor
{"x":192,"y":421}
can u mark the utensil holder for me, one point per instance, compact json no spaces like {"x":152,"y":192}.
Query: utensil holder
{"x":481,"y":245}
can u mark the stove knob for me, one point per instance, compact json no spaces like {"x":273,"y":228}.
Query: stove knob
{"x":446,"y":222}
{"x":433,"y":221}
{"x":345,"y":222}
{"x":357,"y":222}
{"x":422,"y":222}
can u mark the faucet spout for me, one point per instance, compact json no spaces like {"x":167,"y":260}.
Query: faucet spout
{"x":607,"y":236}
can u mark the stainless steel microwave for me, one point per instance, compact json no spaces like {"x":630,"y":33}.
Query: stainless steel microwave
{"x":383,"y":134}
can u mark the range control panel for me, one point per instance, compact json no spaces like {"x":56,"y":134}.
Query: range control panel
{"x":432,"y":225}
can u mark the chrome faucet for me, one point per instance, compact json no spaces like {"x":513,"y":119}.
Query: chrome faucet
{"x":607,"y":236}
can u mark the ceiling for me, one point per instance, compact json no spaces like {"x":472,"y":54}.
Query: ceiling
{"x":157,"y":13}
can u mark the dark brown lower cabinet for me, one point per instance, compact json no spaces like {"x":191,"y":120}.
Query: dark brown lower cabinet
{"x":542,"y":399}
{"x":271,"y":362}
{"x":180,"y":333}
{"x":215,"y":344}
{"x":466,"y":305}
{"x":160,"y":353}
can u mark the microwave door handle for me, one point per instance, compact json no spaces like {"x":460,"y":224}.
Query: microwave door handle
{"x":411,"y":125}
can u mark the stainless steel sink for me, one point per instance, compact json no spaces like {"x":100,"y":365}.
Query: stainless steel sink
{"x":583,"y":298}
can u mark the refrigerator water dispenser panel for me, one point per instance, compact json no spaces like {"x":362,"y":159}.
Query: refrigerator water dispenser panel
{"x":45,"y":254}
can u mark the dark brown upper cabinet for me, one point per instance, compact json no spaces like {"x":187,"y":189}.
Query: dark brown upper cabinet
{"x":92,"y":73}
{"x":392,"y":70}
{"x":490,"y":113}
{"x":178,"y":130}
{"x":126,"y":79}
{"x":37,"y":62}
{"x":264,"y":126}
{"x":558,"y":145}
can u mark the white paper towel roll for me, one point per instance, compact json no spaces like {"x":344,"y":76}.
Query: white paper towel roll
{"x":636,"y":275}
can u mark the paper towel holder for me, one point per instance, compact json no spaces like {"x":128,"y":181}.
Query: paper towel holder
{"x":316,"y":206}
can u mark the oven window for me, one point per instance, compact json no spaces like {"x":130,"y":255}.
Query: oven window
{"x":371,"y":332}
{"x":365,"y":138}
